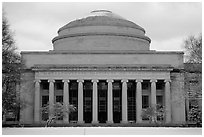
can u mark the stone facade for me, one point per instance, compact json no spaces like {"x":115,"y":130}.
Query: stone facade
{"x":115,"y":74}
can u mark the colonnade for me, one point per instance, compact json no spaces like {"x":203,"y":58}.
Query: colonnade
{"x":110,"y":99}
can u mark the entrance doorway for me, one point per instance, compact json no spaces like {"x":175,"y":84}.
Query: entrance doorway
{"x":102,"y":101}
{"x":117,"y":101}
{"x":88,"y":91}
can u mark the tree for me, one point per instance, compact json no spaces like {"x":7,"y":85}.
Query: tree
{"x":11,"y":65}
{"x":193,"y":49}
{"x":153,"y":113}
{"x":58,"y":111}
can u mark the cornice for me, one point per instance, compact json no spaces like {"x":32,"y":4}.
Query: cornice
{"x":105,"y":67}
{"x":102,"y":52}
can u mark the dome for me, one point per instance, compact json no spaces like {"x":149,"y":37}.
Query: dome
{"x":101,"y":30}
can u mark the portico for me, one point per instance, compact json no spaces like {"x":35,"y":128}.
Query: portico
{"x":121,"y":77}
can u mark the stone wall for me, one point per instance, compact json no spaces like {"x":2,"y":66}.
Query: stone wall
{"x":178,"y":97}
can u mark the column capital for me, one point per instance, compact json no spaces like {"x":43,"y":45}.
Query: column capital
{"x":109,"y":80}
{"x":37,"y":80}
{"x":167,"y":80}
{"x":94,"y":80}
{"x":139,"y":80}
{"x":51,"y":80}
{"x":153,"y":80}
{"x":65,"y":80}
{"x":80,"y":80}
{"x":124,"y":80}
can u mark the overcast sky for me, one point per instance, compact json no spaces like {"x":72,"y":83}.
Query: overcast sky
{"x":167,"y":24}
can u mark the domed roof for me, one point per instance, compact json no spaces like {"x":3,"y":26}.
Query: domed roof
{"x":101,"y":30}
{"x":101,"y":18}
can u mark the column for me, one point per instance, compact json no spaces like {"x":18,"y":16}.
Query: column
{"x":124,"y":101}
{"x":139,"y":101}
{"x":37,"y":102}
{"x":153,"y":97}
{"x":153,"y":92}
{"x":80,"y":101}
{"x":51,"y":97}
{"x":167,"y":101}
{"x":66,"y":100}
{"x":95,"y":102}
{"x":110,"y":101}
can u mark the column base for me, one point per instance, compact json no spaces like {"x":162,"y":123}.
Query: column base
{"x":109,"y":122}
{"x":80,"y":122}
{"x":124,"y":122}
{"x":94,"y":122}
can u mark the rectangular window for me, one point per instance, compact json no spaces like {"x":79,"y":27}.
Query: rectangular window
{"x":45,"y":85}
{"x":145,"y":101}
{"x":45,"y":100}
{"x":160,"y":100}
{"x":59,"y":86}
{"x":145,"y":86}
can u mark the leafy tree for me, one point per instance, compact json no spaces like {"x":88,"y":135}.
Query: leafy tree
{"x":59,"y":110}
{"x":195,"y":115}
{"x":153,"y":113}
{"x":10,"y":70}
{"x":193,"y":49}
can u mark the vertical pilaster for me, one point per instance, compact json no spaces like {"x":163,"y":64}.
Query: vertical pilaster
{"x":51,"y":97}
{"x":124,"y":101}
{"x":167,"y":101}
{"x":95,"y":102}
{"x":110,"y":101}
{"x":139,"y":100}
{"x":80,"y":101}
{"x":66,"y":100}
{"x":37,"y":102}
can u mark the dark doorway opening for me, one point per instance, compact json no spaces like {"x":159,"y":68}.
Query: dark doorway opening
{"x":88,"y":90}
{"x":117,"y":101}
{"x":102,"y":101}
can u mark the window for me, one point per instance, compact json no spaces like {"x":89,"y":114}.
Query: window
{"x":145,"y":86}
{"x":45,"y":85}
{"x":160,"y":100}
{"x":45,"y":100}
{"x":59,"y":86}
{"x":160,"y":85}
{"x":145,"y":101}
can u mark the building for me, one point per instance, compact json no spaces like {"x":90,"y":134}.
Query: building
{"x":193,"y":86}
{"x":103,"y":65}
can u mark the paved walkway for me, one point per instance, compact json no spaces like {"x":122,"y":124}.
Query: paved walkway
{"x":102,"y":131}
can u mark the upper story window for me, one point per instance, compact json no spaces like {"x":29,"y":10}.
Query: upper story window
{"x":45,"y":85}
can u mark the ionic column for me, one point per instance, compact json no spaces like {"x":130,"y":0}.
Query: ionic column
{"x":153,"y":96}
{"x":95,"y":102}
{"x":139,"y":101}
{"x":37,"y":102}
{"x":153,"y":92}
{"x":80,"y":101}
{"x":66,"y":100}
{"x":110,"y":101}
{"x":124,"y":101}
{"x":51,"y":97}
{"x":167,"y":101}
